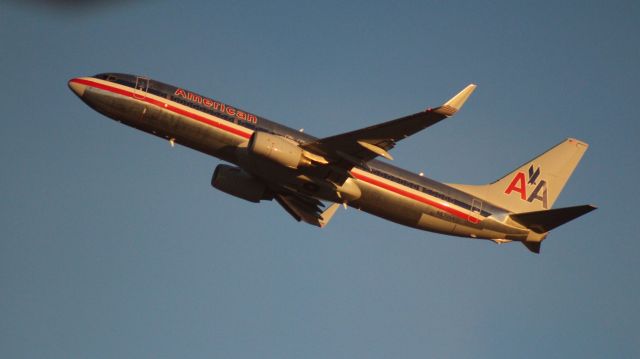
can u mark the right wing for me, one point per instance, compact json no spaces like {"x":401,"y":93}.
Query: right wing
{"x":357,"y":147}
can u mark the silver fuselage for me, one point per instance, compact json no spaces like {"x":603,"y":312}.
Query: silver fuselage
{"x":223,"y":131}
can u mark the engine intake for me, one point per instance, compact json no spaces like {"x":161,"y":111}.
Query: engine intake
{"x":277,"y":149}
{"x":236,"y":182}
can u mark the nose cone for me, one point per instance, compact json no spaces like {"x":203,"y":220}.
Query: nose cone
{"x":77,"y":86}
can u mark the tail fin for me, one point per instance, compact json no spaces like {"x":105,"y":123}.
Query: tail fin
{"x":534,"y":186}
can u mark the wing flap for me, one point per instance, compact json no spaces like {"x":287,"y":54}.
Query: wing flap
{"x":305,"y":209}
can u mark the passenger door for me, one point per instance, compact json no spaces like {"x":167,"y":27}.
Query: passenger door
{"x":142,"y":85}
{"x":476,"y":208}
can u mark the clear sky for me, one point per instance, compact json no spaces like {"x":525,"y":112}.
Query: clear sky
{"x":114,"y":245}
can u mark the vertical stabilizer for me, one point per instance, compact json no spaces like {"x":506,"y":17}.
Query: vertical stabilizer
{"x":534,"y":186}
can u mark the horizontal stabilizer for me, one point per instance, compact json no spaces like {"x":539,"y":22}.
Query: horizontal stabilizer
{"x":544,"y":221}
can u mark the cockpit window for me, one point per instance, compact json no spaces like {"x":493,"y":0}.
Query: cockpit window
{"x":123,"y":81}
{"x":107,"y":76}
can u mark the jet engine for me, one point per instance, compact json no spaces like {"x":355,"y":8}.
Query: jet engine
{"x":277,"y":149}
{"x":236,"y":182}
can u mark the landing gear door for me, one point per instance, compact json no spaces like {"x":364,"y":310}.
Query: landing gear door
{"x":142,"y":84}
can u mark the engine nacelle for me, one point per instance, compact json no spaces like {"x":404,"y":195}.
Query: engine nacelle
{"x":236,"y":182}
{"x":277,"y":149}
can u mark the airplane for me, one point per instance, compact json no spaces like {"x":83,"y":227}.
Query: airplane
{"x":301,"y":172}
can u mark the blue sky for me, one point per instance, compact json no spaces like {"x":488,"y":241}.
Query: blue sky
{"x":115,"y":245}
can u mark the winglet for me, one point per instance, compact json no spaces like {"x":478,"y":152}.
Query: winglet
{"x":455,"y":103}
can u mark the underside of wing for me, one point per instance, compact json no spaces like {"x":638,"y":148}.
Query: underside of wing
{"x":357,"y":147}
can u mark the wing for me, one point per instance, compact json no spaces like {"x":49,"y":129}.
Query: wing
{"x":306,"y":209}
{"x":357,"y":147}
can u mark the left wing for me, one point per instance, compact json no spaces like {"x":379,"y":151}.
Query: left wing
{"x":357,"y":147}
{"x":306,"y":209}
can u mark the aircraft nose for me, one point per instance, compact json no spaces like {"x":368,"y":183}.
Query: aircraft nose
{"x":77,"y":87}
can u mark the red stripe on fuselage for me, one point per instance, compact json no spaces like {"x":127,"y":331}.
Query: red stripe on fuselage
{"x":415,"y":197}
{"x":246,"y":135}
{"x":164,"y":105}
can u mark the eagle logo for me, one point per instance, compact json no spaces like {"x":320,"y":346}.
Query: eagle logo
{"x":533,"y":189}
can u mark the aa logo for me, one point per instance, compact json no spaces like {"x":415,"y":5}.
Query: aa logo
{"x":520,"y":185}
